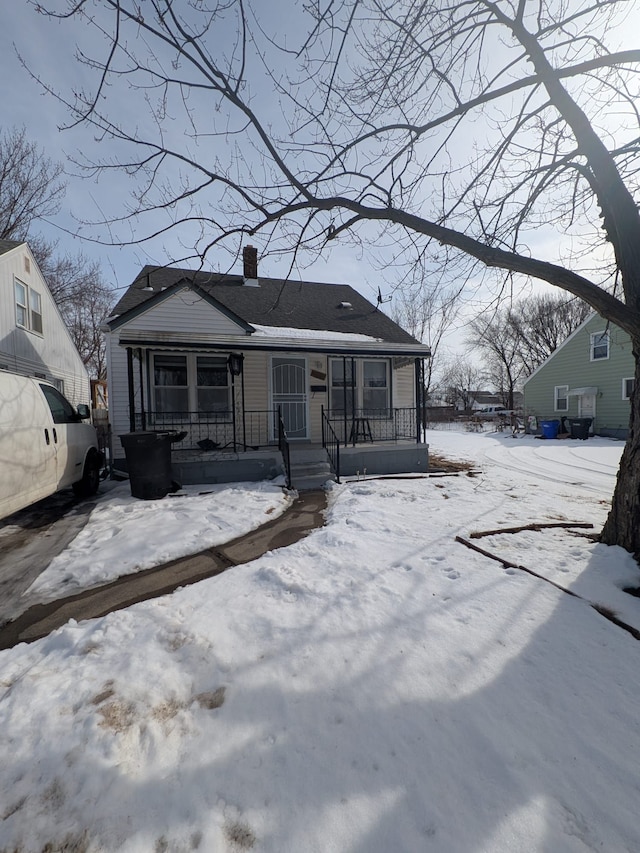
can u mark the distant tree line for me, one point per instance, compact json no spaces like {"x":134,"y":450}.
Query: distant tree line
{"x":512,"y":341}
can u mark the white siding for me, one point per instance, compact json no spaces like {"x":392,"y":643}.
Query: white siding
{"x":51,"y":354}
{"x":184,"y":311}
{"x":119,"y":389}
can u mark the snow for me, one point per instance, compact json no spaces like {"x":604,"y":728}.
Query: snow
{"x":375,"y":687}
{"x":126,"y":535}
{"x":309,"y":334}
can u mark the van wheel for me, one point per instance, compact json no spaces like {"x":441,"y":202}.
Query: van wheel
{"x":90,"y":481}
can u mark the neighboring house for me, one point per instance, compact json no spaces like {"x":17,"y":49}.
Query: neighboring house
{"x":590,"y":375}
{"x":34,"y":339}
{"x":220,"y":356}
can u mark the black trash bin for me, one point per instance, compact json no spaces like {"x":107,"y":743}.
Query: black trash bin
{"x":148,"y":456}
{"x":580,"y":427}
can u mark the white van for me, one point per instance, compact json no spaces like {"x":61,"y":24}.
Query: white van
{"x":44,"y":446}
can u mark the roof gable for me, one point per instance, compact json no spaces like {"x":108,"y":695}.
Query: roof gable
{"x":274,"y":303}
{"x":166,"y":309}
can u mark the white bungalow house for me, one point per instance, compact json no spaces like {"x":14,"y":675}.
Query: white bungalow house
{"x":34,"y":339}
{"x":241,"y":364}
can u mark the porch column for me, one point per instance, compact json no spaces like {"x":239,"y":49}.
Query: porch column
{"x":143,"y":414}
{"x":132,"y":413}
{"x":419,"y":376}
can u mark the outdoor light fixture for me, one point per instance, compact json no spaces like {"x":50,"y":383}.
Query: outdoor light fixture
{"x":235,"y":363}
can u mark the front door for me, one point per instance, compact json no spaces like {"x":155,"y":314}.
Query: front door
{"x":587,"y":407}
{"x":289,"y":394}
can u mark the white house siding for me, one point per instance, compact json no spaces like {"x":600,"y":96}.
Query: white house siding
{"x":184,"y":311}
{"x":571,"y":365}
{"x":52,"y":354}
{"x":118,"y":383}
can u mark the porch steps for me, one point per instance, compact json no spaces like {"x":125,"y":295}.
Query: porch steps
{"x":310,"y":468}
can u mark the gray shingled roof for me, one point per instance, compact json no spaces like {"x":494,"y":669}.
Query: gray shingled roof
{"x":287,"y":304}
{"x":7,"y":245}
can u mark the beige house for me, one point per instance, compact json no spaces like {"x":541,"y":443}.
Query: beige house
{"x":251,"y":367}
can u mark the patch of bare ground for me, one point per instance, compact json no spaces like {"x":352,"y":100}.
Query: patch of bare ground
{"x":239,"y":835}
{"x":212,"y":699}
{"x":448,"y":466}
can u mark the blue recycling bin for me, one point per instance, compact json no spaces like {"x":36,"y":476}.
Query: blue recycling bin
{"x":550,"y":428}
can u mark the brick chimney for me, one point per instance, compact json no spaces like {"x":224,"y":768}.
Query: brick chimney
{"x":250,"y":266}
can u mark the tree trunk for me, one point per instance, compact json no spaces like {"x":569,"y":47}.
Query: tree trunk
{"x":623,"y":523}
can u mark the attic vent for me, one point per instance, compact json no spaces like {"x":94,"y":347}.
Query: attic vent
{"x":27,"y":264}
{"x":347,"y":306}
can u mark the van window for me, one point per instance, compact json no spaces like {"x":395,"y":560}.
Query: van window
{"x":61,"y":409}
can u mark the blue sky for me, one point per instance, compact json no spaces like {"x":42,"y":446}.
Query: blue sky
{"x":47,"y":48}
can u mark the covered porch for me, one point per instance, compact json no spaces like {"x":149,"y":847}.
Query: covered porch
{"x":319,"y":398}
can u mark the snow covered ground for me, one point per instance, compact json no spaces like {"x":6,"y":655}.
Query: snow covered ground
{"x":376,"y":687}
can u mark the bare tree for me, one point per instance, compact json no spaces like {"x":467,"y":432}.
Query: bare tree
{"x":499,"y":339}
{"x":542,"y":322}
{"x":427,"y":310}
{"x":31,"y":186}
{"x":479,"y":126}
{"x":460,"y":378}
{"x":32,"y":189}
{"x":83,"y":298}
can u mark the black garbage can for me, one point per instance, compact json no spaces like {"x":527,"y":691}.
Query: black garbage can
{"x":148,"y":456}
{"x":580,"y":427}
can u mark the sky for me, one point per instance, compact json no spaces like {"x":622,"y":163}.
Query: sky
{"x":376,"y":686}
{"x":48,"y":49}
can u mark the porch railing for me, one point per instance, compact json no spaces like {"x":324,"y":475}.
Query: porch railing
{"x":209,"y":431}
{"x":371,"y":425}
{"x":331,"y":444}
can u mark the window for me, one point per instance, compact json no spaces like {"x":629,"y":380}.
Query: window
{"x":191,"y":383}
{"x":364,"y":385}
{"x":171,"y":385}
{"x":342,"y":385}
{"x":628,"y":386}
{"x":375,"y":387}
{"x":28,"y":307}
{"x":22,"y":305}
{"x":599,"y":346}
{"x":36,"y":311}
{"x":61,"y":409}
{"x":561,"y":398}
{"x":212,"y":384}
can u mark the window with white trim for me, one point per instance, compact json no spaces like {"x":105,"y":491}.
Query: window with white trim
{"x":375,"y":387}
{"x":342,"y":385}
{"x":212,"y":384}
{"x":628,"y":386}
{"x":599,"y":346}
{"x":561,"y":398}
{"x":171,"y":386}
{"x":362,"y":384}
{"x":28,"y":307}
{"x":191,"y":383}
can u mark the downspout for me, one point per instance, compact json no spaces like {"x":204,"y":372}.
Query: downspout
{"x":132,"y":413}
